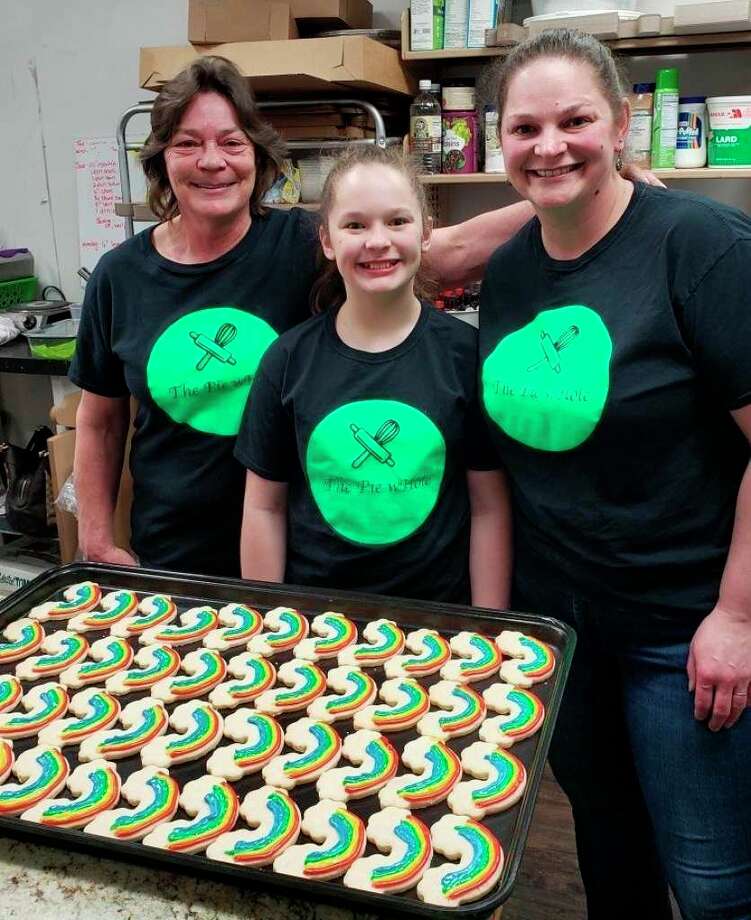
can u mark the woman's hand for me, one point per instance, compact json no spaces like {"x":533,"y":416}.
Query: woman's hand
{"x":112,"y":555}
{"x":637,"y":174}
{"x":719,"y":667}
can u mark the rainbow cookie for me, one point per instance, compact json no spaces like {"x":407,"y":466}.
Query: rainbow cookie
{"x":142,"y":721}
{"x":408,"y":703}
{"x":522,"y":714}
{"x":199,"y":730}
{"x":24,"y":637}
{"x":260,"y":739}
{"x":304,"y":682}
{"x":384,"y":640}
{"x":41,"y":772}
{"x":206,"y":669}
{"x":94,"y":710}
{"x":274,"y":822}
{"x":406,"y":842}
{"x":286,"y":628}
{"x":78,"y":598}
{"x":356,"y":690}
{"x":43,"y":704}
{"x":154,"y":611}
{"x":466,"y":711}
{"x":96,"y":787}
{"x":194,"y":625}
{"x":437,"y":770}
{"x":114,"y":606}
{"x":430,"y":652}
{"x":11,"y":691}
{"x":375,"y":761}
{"x":109,"y":655}
{"x":479,"y":658}
{"x":6,"y":759}
{"x":239,"y":624}
{"x":531,"y":661}
{"x":155,"y":663}
{"x":62,"y":649}
{"x":479,"y":868}
{"x":336,"y":632}
{"x":339,"y":840}
{"x":213,"y":806}
{"x":500,"y":783}
{"x":319,"y":748}
{"x":154,"y":795}
{"x":254,"y":675}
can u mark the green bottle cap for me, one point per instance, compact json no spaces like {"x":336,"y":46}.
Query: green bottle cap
{"x":667,"y":79}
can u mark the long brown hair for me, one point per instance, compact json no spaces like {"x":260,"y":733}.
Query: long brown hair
{"x":328,"y":290}
{"x":209,"y":74}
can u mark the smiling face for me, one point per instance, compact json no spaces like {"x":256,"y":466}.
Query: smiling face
{"x":211,"y":162}
{"x":375,"y":230}
{"x":559,"y":133}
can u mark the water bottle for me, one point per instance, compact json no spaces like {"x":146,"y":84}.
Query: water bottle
{"x":425,"y":130}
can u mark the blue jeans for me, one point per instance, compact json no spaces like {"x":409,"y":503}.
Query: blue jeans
{"x":656,"y":797}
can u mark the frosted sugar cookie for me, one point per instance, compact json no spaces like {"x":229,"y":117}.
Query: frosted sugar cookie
{"x":259,"y":737}
{"x":239,"y":624}
{"x":522,"y":714}
{"x":430,"y":651}
{"x":319,"y":748}
{"x":479,"y":658}
{"x":6,"y":759}
{"x":153,"y":611}
{"x":501,"y":780}
{"x":213,"y":806}
{"x":96,"y":787}
{"x":478,"y":870}
{"x":336,"y":632}
{"x":466,"y":710}
{"x":205,"y":668}
{"x":375,"y":762}
{"x":142,"y":721}
{"x":11,"y":691}
{"x":93,"y":710}
{"x":61,"y":650}
{"x":339,"y":840}
{"x":405,"y":840}
{"x":41,"y":772}
{"x":254,"y":675}
{"x":407,"y":703}
{"x":154,"y":795}
{"x":436,"y":771}
{"x":24,"y":637}
{"x":114,"y":606}
{"x":355,"y":690}
{"x":532,"y":661}
{"x":384,"y":640}
{"x":193,"y":625}
{"x":286,"y":627}
{"x":199,"y":730}
{"x":304,"y":682}
{"x":108,"y":656}
{"x":43,"y":704}
{"x":155,"y":663}
{"x":78,"y":598}
{"x":274,"y":822}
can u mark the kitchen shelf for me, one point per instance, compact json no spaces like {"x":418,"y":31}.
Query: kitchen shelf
{"x":485,"y":178}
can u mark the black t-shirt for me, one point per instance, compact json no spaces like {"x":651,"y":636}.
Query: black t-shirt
{"x":375,"y":449}
{"x":609,"y":380}
{"x":185,"y":341}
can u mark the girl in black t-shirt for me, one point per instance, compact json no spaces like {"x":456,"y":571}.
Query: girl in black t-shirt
{"x":368,"y":466}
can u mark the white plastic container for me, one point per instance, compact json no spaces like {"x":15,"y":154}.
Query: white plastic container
{"x":691,"y":141}
{"x":543,"y":7}
{"x":493,"y":153}
{"x":729,"y":139}
{"x":313,"y":173}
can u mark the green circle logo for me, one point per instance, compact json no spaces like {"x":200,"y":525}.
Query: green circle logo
{"x":201,"y":367}
{"x":546,"y":384}
{"x":375,"y":469}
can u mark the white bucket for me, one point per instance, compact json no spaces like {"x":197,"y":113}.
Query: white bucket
{"x":729,"y":131}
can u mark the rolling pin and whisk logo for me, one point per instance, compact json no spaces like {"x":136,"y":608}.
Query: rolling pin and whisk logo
{"x":374,"y":445}
{"x":216,"y":347}
{"x":552,"y":348}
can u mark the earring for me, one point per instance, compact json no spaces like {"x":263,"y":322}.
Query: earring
{"x":618,"y":162}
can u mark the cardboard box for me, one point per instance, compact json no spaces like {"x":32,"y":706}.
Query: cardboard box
{"x":333,"y":14}
{"x":212,"y":21}
{"x":305,"y":65}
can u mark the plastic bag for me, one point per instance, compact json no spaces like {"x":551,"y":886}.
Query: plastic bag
{"x":67,"y":499}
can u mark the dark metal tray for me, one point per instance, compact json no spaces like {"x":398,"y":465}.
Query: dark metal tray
{"x":510,"y":827}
